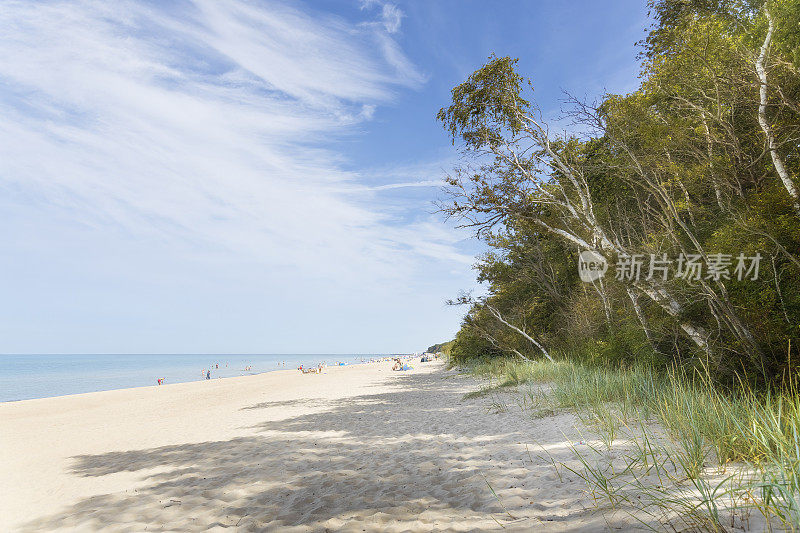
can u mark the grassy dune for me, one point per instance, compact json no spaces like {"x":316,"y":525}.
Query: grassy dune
{"x":695,"y":456}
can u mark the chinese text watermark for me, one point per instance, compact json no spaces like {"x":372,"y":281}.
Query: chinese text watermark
{"x":690,"y":267}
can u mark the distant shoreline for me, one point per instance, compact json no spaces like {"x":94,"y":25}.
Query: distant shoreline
{"x":38,"y":376}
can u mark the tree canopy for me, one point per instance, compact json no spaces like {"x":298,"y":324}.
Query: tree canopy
{"x":688,"y":187}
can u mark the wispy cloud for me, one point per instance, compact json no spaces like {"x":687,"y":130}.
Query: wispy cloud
{"x":427,"y":183}
{"x":391,"y":15}
{"x":206,"y":123}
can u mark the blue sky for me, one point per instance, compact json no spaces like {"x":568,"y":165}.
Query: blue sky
{"x":255,"y":177}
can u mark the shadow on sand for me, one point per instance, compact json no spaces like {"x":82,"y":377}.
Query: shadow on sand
{"x":403,"y":460}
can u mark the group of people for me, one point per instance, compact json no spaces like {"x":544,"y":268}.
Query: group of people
{"x":400,"y":365}
{"x":206,"y":373}
{"x":311,"y":370}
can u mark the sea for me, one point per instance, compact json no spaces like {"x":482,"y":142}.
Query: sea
{"x":24,"y":377}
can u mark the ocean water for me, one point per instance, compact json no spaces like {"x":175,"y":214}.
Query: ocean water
{"x":23,"y":377}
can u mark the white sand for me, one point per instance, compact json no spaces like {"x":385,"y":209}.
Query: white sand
{"x":358,"y":448}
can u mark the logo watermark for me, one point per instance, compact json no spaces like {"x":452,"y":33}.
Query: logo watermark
{"x":690,"y":267}
{"x":591,"y":266}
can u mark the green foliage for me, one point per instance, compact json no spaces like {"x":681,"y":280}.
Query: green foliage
{"x":488,"y":96}
{"x":690,"y":163}
{"x":677,"y":167}
{"x":443,"y":347}
{"x":468,"y":345}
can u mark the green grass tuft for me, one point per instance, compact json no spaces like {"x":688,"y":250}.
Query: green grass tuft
{"x":759,"y":428}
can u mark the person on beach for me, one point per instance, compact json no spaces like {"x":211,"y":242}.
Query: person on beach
{"x":208,"y":374}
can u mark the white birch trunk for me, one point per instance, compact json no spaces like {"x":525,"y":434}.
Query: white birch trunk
{"x":533,"y":341}
{"x":777,"y":160}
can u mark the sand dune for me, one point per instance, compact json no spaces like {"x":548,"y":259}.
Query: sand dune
{"x":355,"y":449}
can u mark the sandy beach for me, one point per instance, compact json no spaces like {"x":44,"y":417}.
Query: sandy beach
{"x":358,"y":448}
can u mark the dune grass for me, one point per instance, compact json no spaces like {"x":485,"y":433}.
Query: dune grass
{"x":757,"y":430}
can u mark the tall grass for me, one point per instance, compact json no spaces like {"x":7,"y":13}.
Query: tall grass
{"x":759,"y":428}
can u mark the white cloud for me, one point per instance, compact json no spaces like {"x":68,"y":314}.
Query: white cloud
{"x":391,"y":15}
{"x":204,"y":124}
{"x":426,"y":183}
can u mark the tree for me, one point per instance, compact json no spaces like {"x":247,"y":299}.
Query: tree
{"x":685,"y":166}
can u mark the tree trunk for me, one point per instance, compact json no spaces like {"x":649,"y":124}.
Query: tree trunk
{"x":642,"y":319}
{"x":533,"y":341}
{"x":777,"y":160}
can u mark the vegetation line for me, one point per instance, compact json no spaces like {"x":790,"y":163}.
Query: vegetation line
{"x":756,"y":435}
{"x":650,"y":253}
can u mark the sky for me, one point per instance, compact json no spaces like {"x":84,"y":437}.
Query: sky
{"x":239,"y":176}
